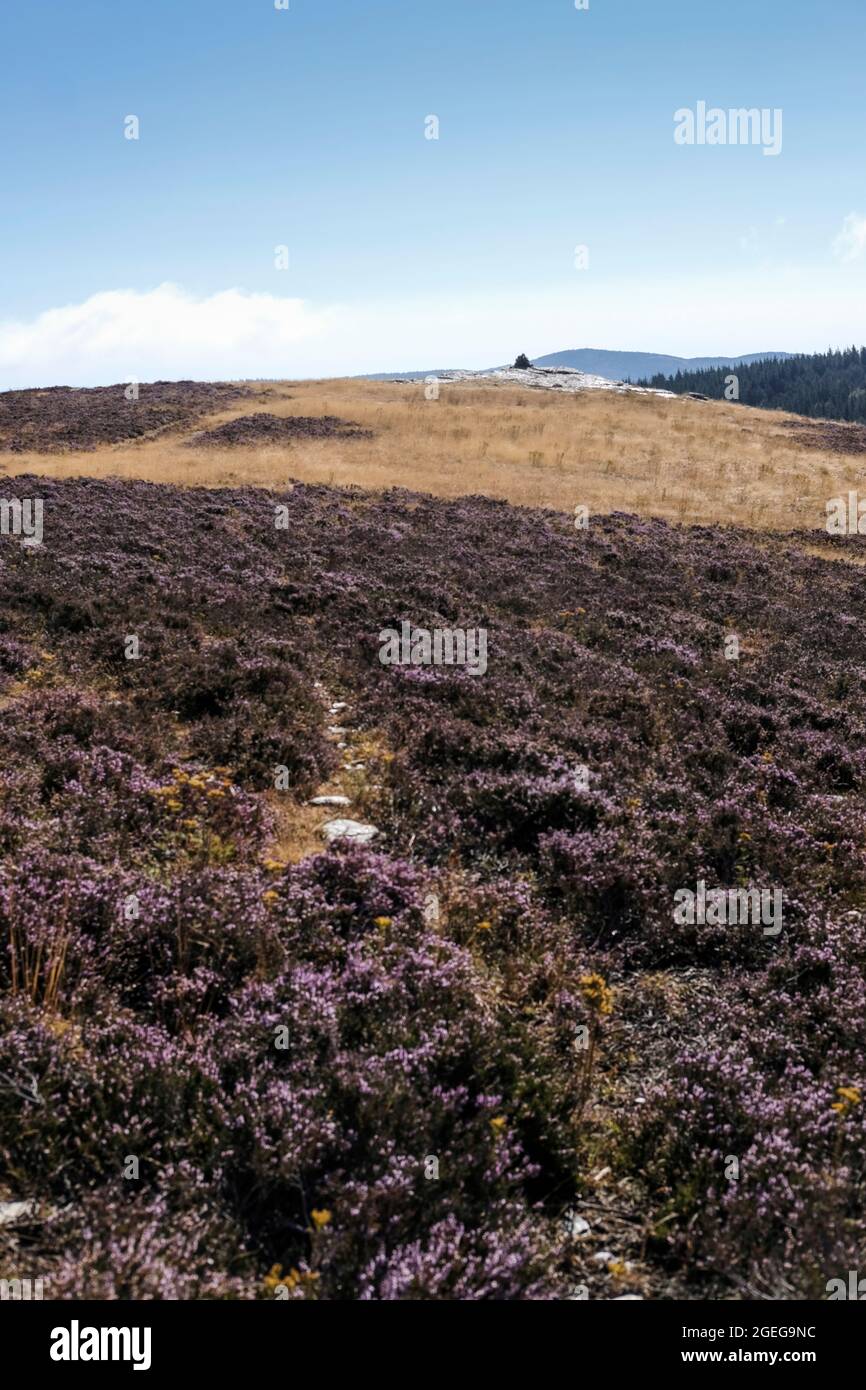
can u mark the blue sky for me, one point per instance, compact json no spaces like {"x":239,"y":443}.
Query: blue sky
{"x":262,"y":127}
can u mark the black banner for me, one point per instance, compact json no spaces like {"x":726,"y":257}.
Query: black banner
{"x":160,"y":1339}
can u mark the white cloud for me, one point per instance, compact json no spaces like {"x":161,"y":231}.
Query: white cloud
{"x":850,"y":244}
{"x":125,"y":335}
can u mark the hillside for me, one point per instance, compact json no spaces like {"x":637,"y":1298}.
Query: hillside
{"x":478,"y":1057}
{"x":679,"y":459}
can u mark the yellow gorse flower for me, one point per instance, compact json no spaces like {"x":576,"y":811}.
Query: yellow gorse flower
{"x":382,"y":921}
{"x":295,"y":1278}
{"x":597,"y":993}
{"x":321,"y":1218}
{"x":850,"y":1096}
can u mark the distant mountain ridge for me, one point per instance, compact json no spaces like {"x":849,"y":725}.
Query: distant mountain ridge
{"x":615,"y":366}
{"x":405,"y":376}
{"x":639,"y":366}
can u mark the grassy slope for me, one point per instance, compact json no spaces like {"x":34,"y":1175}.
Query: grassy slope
{"x":677,"y":459}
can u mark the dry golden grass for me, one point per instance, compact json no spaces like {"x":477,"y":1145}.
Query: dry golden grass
{"x":683,"y":460}
{"x":297,"y":829}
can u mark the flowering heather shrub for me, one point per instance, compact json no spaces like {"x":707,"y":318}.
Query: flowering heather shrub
{"x":427,"y":1122}
{"x":786,"y":1102}
{"x":14,"y":658}
{"x":116,"y":1245}
{"x":398,"y":1052}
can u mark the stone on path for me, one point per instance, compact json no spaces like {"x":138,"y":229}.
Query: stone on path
{"x":10,"y":1212}
{"x":349,"y":830}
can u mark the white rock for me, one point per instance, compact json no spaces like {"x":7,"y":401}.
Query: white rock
{"x":578,"y":1226}
{"x":337,"y":706}
{"x":628,"y":1298}
{"x":566,"y":379}
{"x":330,"y":801}
{"x":337,"y":729}
{"x":349,"y":830}
{"x":603,"y":1257}
{"x":10,"y":1212}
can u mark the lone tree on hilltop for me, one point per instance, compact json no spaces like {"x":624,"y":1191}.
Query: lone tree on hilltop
{"x":522,"y":361}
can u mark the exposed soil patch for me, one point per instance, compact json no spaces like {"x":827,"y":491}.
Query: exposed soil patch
{"x":265,"y":428}
{"x":63,"y":418}
{"x":831,"y":435}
